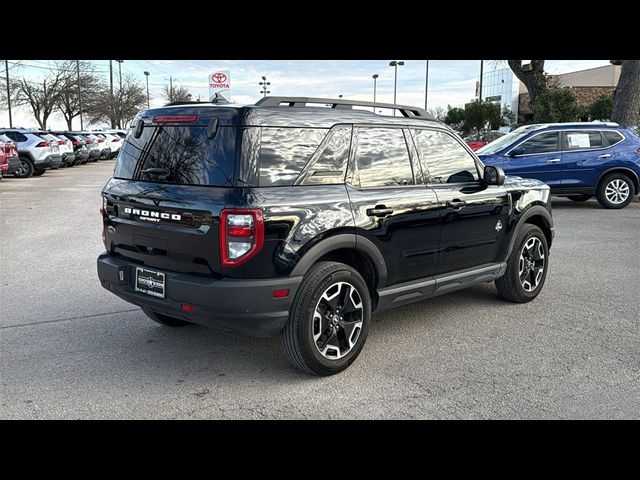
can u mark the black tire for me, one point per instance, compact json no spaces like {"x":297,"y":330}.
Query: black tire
{"x":165,"y":319}
{"x":37,"y":173}
{"x":580,"y":198}
{"x":297,"y":335}
{"x":617,"y":179}
{"x":25,"y":170}
{"x":509,"y":286}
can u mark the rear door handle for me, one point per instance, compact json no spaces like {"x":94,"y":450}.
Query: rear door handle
{"x":456,"y":204}
{"x":604,"y":155}
{"x":554,"y":160}
{"x":379,"y":211}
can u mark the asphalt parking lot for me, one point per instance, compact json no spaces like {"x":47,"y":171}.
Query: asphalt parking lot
{"x":70,"y":349}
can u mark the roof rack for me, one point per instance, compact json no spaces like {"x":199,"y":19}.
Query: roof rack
{"x":405,"y":110}
{"x":218,"y":99}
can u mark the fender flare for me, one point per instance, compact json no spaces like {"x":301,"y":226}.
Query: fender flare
{"x":337,"y":242}
{"x":633,"y":175}
{"x":530,"y":212}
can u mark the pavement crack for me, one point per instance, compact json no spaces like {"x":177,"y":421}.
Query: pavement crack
{"x":67,"y":319}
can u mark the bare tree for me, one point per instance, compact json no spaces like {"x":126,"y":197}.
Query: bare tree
{"x":626,"y":100}
{"x":532,"y":75}
{"x":68,"y":102}
{"x":178,"y":93}
{"x":41,"y":97}
{"x":439,"y":113}
{"x":119,"y":109}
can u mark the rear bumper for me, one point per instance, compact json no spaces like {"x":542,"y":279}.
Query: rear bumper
{"x":94,"y":153}
{"x":246,"y":306}
{"x":56,"y":161}
{"x":69,"y":158}
{"x":46,"y":162}
{"x":105,"y":153}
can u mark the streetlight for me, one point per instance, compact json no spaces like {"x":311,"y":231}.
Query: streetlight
{"x":146,"y":74}
{"x":375,"y":79}
{"x":340,"y":96}
{"x":395,"y":64}
{"x":120,"y":72}
{"x":264,"y":84}
{"x":426,"y":86}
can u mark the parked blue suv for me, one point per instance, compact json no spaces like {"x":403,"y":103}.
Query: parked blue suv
{"x":577,"y":160}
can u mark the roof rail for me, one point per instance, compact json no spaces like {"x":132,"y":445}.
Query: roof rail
{"x":405,"y":110}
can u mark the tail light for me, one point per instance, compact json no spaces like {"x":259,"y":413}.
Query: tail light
{"x":89,"y":142}
{"x":101,"y":140}
{"x":117,"y":139}
{"x":60,"y":142}
{"x":241,"y":235}
{"x":43,"y":144}
{"x":75,"y":142}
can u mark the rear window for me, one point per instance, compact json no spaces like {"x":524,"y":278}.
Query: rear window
{"x":612,"y":136}
{"x":186,"y":154}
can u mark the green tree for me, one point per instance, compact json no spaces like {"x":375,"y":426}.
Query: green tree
{"x":601,"y":109}
{"x":455,"y":117}
{"x":626,"y":107}
{"x":557,"y":105}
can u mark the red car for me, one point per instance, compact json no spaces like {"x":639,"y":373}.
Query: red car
{"x":9,"y":160}
{"x":476,"y":145}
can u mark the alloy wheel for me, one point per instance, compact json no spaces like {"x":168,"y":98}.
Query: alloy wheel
{"x":531,"y":264}
{"x":337,"y":320}
{"x":617,"y":191}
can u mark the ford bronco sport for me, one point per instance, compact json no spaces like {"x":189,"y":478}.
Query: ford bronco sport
{"x":300,"y":220}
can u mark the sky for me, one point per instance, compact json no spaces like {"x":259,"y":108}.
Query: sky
{"x":451,"y":82}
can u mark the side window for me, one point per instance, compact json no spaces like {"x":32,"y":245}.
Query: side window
{"x":328,"y":165}
{"x":16,"y":136}
{"x":382,"y":158}
{"x":285,"y":151}
{"x":446,"y":160}
{"x":581,"y":140}
{"x":542,"y":143}
{"x":612,"y":136}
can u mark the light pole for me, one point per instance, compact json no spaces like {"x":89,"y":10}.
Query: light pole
{"x":395,"y":64}
{"x":146,"y":74}
{"x":480,"y":86}
{"x":6,"y":67}
{"x":264,"y":84}
{"x":375,"y":79}
{"x":120,"y":72}
{"x":79,"y":96}
{"x":340,"y":96}
{"x":426,"y":86}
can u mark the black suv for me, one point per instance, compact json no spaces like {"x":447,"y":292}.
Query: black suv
{"x":282,"y":217}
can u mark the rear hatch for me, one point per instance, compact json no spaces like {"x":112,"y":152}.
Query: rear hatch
{"x":172,"y":178}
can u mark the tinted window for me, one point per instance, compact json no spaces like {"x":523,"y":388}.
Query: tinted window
{"x":185,"y":152}
{"x":16,"y":136}
{"x":382,"y":158}
{"x":445,"y":159}
{"x":330,"y":161}
{"x":542,"y":143}
{"x":581,"y":140}
{"x":285,"y":151}
{"x":613,"y":136}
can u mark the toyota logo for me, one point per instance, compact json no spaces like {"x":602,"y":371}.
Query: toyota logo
{"x":218,"y":77}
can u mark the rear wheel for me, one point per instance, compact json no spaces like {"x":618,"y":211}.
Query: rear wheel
{"x":329,"y":319}
{"x":165,"y":319}
{"x":615,"y":191}
{"x":580,"y":198}
{"x":25,"y":170}
{"x":37,"y":173}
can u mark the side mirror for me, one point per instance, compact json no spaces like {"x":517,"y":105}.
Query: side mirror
{"x":516,"y":151}
{"x":493,"y":175}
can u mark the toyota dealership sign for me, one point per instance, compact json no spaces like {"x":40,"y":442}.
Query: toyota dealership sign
{"x":220,"y":82}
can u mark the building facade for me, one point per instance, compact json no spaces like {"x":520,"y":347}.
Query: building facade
{"x":500,"y":85}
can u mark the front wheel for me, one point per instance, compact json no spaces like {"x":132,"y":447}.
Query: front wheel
{"x":615,"y":191}
{"x":329,"y":319}
{"x":527,"y":266}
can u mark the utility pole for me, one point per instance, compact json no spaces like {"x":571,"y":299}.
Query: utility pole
{"x":6,"y":67}
{"x":146,"y":74}
{"x":79,"y":96}
{"x":113,"y":121}
{"x":375,"y":79}
{"x":426,"y":86}
{"x":480,"y":87}
{"x":395,"y":64}
{"x":120,"y":72}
